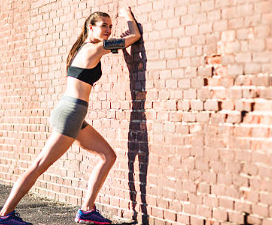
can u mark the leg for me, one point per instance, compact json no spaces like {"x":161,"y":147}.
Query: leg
{"x":90,"y":140}
{"x":131,"y":181}
{"x":143,"y":166}
{"x":54,"y":148}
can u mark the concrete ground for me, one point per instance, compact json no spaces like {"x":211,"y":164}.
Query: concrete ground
{"x":41,"y":211}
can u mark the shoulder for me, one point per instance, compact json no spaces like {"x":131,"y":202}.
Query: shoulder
{"x":90,"y":55}
{"x":97,"y":49}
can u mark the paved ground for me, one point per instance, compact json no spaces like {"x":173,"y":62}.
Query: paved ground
{"x":41,"y":211}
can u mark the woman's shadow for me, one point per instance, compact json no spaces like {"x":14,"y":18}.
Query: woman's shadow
{"x":137,"y":135}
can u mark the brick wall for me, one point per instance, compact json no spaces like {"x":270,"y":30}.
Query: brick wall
{"x":189,"y":112}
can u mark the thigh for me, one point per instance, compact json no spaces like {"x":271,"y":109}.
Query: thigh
{"x":90,"y":140}
{"x":67,"y":118}
{"x":55,"y":147}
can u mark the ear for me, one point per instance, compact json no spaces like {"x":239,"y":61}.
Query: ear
{"x":91,"y":27}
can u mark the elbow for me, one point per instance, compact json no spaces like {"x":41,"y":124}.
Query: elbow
{"x":137,"y":37}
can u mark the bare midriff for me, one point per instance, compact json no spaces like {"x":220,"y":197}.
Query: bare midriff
{"x":78,"y":89}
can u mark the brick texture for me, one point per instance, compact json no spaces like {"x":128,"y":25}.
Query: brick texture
{"x":188,"y":110}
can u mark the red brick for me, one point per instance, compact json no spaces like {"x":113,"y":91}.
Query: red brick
{"x":220,"y":25}
{"x":196,"y":221}
{"x":265,"y":199}
{"x":202,"y":117}
{"x":210,"y":201}
{"x":267,"y":222}
{"x":206,"y":92}
{"x":228,"y":36}
{"x":193,"y":8}
{"x":237,"y":218}
{"x":262,"y":7}
{"x":261,"y":210}
{"x":189,"y":186}
{"x":213,"y":60}
{"x":211,"y":105}
{"x":184,"y":83}
{"x":191,"y":30}
{"x":168,"y":215}
{"x":197,"y":83}
{"x":251,"y":219}
{"x":226,"y":203}
{"x":204,"y":211}
{"x":207,"y":6}
{"x":194,"y":199}
{"x":196,"y":105}
{"x":205,"y":28}
{"x":189,"y":209}
{"x":220,"y":214}
{"x":184,"y":219}
{"x":157,"y":212}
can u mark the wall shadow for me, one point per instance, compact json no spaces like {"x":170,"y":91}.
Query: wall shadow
{"x":137,"y":135}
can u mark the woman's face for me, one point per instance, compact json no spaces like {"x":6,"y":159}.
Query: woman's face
{"x":102,"y":29}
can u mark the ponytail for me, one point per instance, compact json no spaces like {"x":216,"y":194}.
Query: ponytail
{"x":80,"y":40}
{"x":92,"y":19}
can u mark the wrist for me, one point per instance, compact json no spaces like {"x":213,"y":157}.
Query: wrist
{"x":129,"y":17}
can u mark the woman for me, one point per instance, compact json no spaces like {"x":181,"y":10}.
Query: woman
{"x":67,"y":119}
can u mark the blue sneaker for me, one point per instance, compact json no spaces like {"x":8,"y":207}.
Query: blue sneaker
{"x":13,"y":218}
{"x":92,"y":217}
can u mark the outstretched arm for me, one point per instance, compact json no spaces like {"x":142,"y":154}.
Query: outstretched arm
{"x":128,"y":38}
{"x":133,"y":33}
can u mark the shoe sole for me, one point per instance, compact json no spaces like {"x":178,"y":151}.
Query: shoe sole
{"x":90,"y":222}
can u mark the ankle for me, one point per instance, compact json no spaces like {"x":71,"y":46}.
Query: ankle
{"x":87,"y":208}
{"x":4,"y":212}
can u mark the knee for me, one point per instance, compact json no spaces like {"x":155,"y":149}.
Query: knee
{"x":109,"y":157}
{"x":34,"y":170}
{"x":114,"y":157}
{"x":38,"y":167}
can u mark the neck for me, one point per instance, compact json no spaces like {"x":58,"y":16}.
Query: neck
{"x":91,"y":39}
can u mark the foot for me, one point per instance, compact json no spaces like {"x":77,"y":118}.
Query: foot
{"x":91,"y":217}
{"x":13,"y":218}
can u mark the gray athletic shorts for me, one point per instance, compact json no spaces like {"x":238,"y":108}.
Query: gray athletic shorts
{"x":68,"y":116}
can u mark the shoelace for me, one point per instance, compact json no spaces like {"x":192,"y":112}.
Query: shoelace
{"x":18,"y":216}
{"x":97,"y":211}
